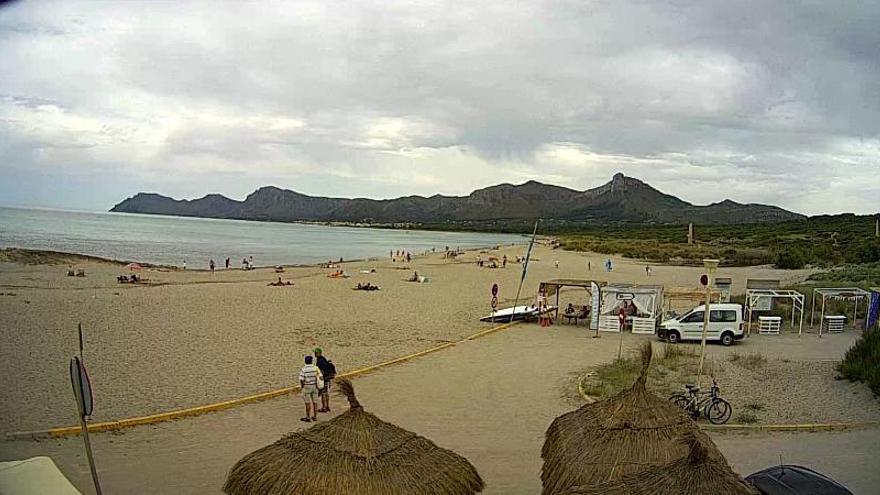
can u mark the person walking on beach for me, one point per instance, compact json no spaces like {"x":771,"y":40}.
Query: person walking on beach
{"x":309,"y":379}
{"x":211,"y":265}
{"x":504,"y":261}
{"x":328,"y":370}
{"x":227,"y":262}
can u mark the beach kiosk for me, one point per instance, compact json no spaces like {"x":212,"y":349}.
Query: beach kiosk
{"x":757,"y":299}
{"x":723,"y":284}
{"x":835,"y":323}
{"x":642,"y":303}
{"x":685,"y":298}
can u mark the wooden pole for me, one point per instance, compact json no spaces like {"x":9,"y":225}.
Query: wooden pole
{"x":705,"y":330}
{"x":84,"y":429}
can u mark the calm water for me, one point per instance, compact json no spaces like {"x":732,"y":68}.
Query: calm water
{"x":170,"y":240}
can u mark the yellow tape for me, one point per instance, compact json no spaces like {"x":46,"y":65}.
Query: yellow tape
{"x":219,"y":406}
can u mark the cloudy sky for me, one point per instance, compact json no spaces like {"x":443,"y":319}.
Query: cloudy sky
{"x":775,"y":102}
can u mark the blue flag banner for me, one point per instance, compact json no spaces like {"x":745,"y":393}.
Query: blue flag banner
{"x":873,"y":309}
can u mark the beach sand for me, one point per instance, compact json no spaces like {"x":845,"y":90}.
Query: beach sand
{"x":195,"y":337}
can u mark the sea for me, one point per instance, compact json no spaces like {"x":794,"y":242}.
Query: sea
{"x":170,"y":240}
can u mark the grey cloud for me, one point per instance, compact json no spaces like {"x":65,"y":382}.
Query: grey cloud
{"x":705,"y":98}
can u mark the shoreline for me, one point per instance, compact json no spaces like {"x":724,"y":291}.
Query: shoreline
{"x":20,"y":255}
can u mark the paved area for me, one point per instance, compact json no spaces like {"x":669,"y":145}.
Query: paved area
{"x":490,"y":400}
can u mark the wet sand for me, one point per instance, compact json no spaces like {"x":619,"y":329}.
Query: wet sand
{"x":195,"y":337}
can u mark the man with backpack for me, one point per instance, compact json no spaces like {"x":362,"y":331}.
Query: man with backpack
{"x":328,"y":370}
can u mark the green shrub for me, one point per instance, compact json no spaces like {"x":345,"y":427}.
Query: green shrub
{"x":790,"y":259}
{"x":862,"y":361}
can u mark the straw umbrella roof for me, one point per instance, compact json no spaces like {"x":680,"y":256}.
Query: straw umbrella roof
{"x":607,"y":440}
{"x":353,"y":453}
{"x":704,"y":470}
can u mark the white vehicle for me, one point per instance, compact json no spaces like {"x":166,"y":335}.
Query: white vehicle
{"x":725,"y":325}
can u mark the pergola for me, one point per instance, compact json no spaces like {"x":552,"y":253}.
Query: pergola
{"x":755,"y":296}
{"x":840,"y":294}
{"x":647,"y":299}
{"x":550,"y":287}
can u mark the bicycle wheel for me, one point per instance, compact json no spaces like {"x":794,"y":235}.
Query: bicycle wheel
{"x":680,"y":400}
{"x":718,"y":411}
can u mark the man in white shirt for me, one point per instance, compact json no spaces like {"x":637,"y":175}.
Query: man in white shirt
{"x":308,"y":381}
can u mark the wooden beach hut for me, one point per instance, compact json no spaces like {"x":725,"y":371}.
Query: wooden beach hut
{"x":605,"y":441}
{"x":355,"y":453}
{"x":704,"y":470}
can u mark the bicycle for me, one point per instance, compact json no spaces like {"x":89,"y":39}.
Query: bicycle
{"x":709,"y":404}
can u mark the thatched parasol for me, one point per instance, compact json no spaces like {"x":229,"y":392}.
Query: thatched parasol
{"x":605,"y":441}
{"x":704,"y":470}
{"x":353,"y":453}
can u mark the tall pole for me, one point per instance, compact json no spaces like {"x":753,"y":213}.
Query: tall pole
{"x":710,"y":265}
{"x":525,"y":269}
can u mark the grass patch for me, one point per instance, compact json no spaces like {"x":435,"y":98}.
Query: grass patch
{"x":746,"y":418}
{"x":751,"y":361}
{"x":612,"y":377}
{"x":674,"y":366}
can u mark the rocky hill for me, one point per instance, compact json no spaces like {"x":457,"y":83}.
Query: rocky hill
{"x":623,"y":199}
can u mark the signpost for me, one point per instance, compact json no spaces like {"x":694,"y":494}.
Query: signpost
{"x":706,"y":280}
{"x":82,"y":392}
{"x":595,"y":301}
{"x":495,"y":300}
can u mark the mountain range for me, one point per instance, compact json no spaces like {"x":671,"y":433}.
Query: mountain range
{"x":621,"y":200}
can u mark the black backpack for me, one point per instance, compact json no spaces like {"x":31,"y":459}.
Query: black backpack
{"x":331,"y":370}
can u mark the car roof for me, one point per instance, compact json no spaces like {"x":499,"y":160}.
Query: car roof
{"x":794,"y":480}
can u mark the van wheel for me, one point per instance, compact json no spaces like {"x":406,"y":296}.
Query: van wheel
{"x":673,"y":337}
{"x":727,"y":339}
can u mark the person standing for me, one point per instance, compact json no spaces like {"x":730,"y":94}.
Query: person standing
{"x":251,"y":263}
{"x":328,"y":371}
{"x":184,"y":264}
{"x":504,"y":261}
{"x":211,"y":265}
{"x":308,"y":382}
{"x":227,"y":262}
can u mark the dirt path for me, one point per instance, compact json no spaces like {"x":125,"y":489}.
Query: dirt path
{"x":490,"y":400}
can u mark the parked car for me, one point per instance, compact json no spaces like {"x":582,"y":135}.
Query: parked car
{"x":725,"y":325}
{"x":794,"y":480}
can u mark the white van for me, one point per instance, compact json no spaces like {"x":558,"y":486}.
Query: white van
{"x":725,"y":325}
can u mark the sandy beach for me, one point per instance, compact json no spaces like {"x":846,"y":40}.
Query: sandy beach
{"x":195,"y":337}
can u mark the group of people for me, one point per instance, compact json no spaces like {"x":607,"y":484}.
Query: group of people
{"x":279,"y":283}
{"x":493,"y":262}
{"x":314,"y":381}
{"x":246,"y":264}
{"x":128,"y":279}
{"x":366,"y":286}
{"x":404,"y":256}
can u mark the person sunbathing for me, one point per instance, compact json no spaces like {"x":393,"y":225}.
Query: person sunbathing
{"x":414,"y":278}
